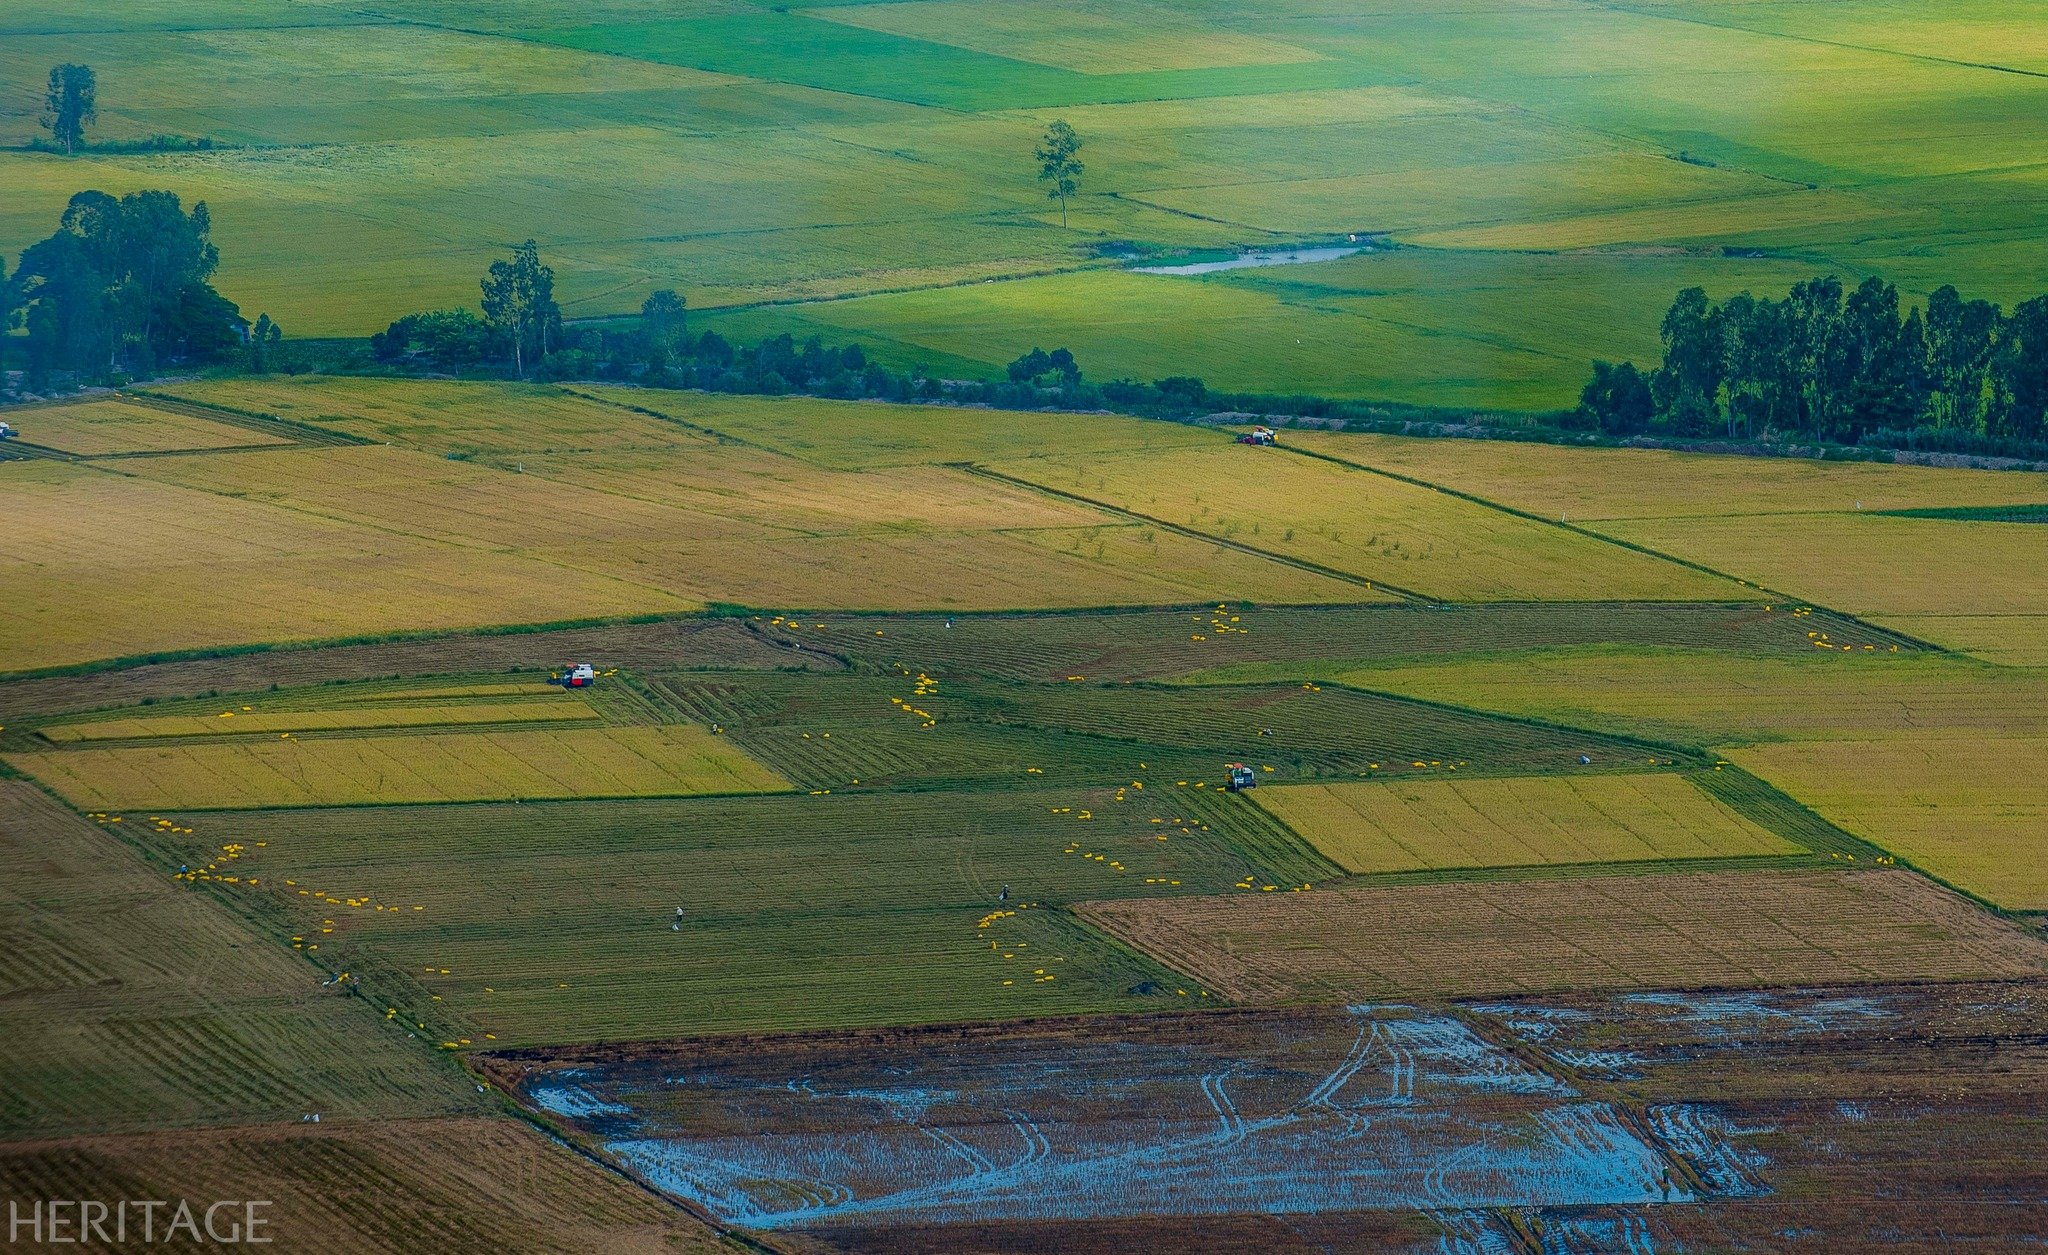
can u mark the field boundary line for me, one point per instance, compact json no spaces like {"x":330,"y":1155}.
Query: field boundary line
{"x":1630,"y":545}
{"x":308,"y":435}
{"x":1302,"y":564}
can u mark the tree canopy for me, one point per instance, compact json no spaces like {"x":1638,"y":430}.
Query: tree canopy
{"x":1058,"y":165}
{"x":70,"y":105}
{"x":121,"y":287}
{"x":1829,"y":364}
{"x":519,"y":300}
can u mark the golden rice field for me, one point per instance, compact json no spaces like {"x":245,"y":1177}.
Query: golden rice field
{"x":95,"y":564}
{"x":1583,"y":485}
{"x":1710,"y":697}
{"x":245,"y":722}
{"x":98,"y":427}
{"x":2014,"y":640}
{"x":1367,"y":525}
{"x":1867,"y":565}
{"x":1404,"y":825}
{"x":1971,"y":811}
{"x":665,"y":761}
{"x":445,"y":417}
{"x":1655,"y":931}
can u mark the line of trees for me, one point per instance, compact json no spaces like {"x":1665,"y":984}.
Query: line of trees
{"x":120,"y":289}
{"x":1830,"y":365}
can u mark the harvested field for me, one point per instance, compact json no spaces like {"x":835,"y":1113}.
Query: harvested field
{"x":129,"y":1002}
{"x":674,"y":760}
{"x":1585,"y":485}
{"x":1727,"y":929}
{"x":99,"y":428}
{"x":1101,"y":734}
{"x":676,"y":642}
{"x":268,"y":722}
{"x":480,"y":1185}
{"x":1429,"y":824}
{"x":1971,"y":811}
{"x":1367,"y":525}
{"x":1699,"y":697}
{"x":1130,"y":645}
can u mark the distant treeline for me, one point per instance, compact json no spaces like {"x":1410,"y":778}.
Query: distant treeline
{"x":1840,"y":368}
{"x":120,"y":290}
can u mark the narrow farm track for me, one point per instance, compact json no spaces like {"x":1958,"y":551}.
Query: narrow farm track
{"x":298,"y":433}
{"x":1195,"y":533}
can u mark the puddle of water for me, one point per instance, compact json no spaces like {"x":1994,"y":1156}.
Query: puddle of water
{"x":1373,"y":1107}
{"x":1258,"y":257}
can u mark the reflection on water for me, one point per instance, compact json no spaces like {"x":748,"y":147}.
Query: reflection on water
{"x":1257,"y":257}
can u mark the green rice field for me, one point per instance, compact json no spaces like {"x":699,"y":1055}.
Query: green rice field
{"x":1538,"y":179}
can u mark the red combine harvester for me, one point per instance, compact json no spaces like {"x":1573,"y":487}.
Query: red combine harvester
{"x":577,"y":675}
{"x":1240,"y":778}
{"x":1257,"y":436}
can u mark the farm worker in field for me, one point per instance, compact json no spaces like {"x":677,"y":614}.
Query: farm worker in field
{"x":678,"y":925}
{"x":1004,"y":896}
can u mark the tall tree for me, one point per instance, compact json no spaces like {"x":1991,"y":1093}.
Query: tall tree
{"x":2019,"y":373}
{"x":1688,"y":387}
{"x":1959,"y":342}
{"x":519,"y":300}
{"x":69,"y":106}
{"x":1058,"y":164}
{"x":663,"y":320}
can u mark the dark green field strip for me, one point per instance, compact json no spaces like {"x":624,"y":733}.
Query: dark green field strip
{"x":1975,"y":513}
{"x":1885,"y":634}
{"x":1770,"y":807}
{"x":1302,"y":564}
{"x":802,"y":911}
{"x":793,"y":48}
{"x":1123,"y":645}
{"x":829,"y":731}
{"x":1275,"y":851}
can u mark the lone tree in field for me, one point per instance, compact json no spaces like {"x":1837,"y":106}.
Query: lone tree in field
{"x":69,"y":107}
{"x":1058,"y":165}
{"x":519,"y":300}
{"x":662,"y":321}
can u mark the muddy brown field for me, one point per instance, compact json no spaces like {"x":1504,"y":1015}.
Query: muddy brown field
{"x":452,"y":1185}
{"x":1717,"y":929}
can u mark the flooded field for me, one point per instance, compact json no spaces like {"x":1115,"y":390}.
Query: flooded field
{"x":1362,"y":1107}
{"x":1661,"y":1121}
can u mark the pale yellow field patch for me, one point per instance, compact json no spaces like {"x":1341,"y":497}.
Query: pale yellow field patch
{"x":1584,"y":485}
{"x":231,"y":722}
{"x":1867,"y":564}
{"x":91,"y":428}
{"x":95,"y":565}
{"x":1367,"y":525}
{"x":671,"y":760}
{"x":1973,"y":812}
{"x":2014,"y":640}
{"x":1388,"y":826}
